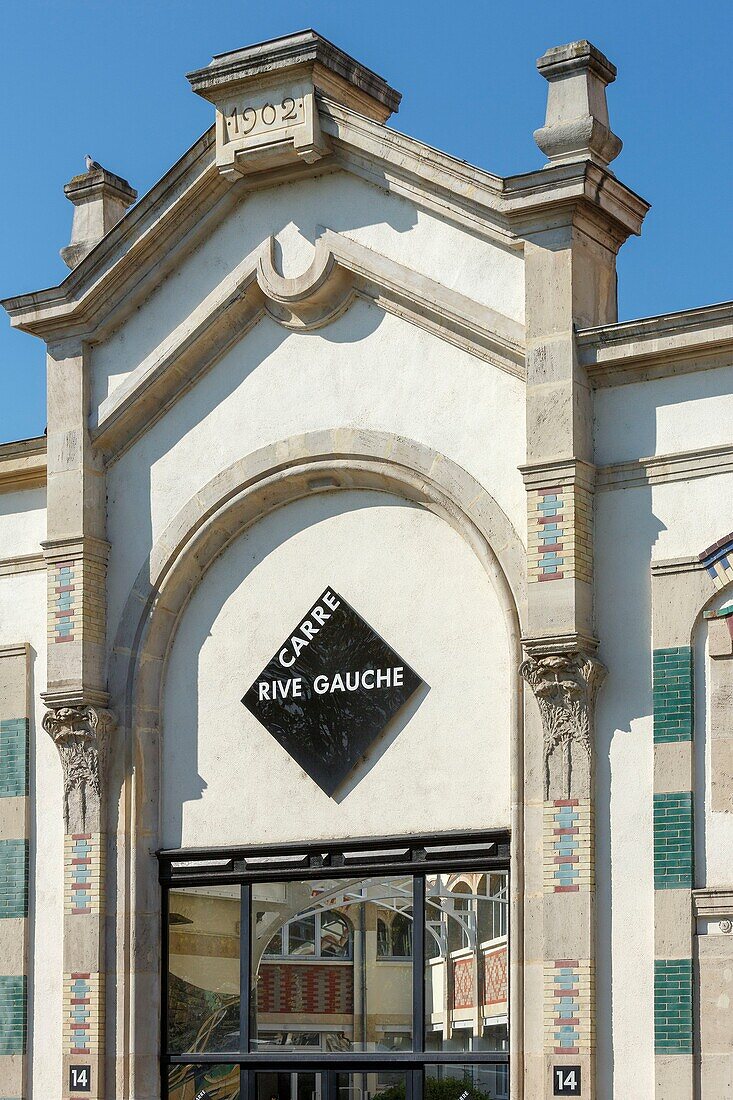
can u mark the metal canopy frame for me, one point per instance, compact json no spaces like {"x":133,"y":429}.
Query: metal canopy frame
{"x":365,"y":856}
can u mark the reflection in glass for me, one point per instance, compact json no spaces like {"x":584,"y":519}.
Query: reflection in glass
{"x":288,"y":1086}
{"x":466,"y":1082}
{"x":203,"y":969}
{"x":381,"y":1084}
{"x":203,"y":1083}
{"x":466,"y":975}
{"x":320,"y":977}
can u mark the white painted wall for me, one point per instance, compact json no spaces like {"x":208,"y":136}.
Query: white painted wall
{"x":225,"y":780}
{"x":625,"y":851}
{"x":23,"y":619}
{"x":368,"y":369}
{"x":22,"y":522}
{"x":691,"y":515}
{"x":296,"y":214}
{"x":664,"y":415}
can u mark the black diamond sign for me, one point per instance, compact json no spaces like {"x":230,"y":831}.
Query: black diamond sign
{"x":330,"y":690}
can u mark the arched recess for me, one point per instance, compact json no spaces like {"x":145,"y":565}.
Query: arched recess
{"x":269,"y":478}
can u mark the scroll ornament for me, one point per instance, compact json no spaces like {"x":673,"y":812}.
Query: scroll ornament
{"x":565,"y":686}
{"x":81,"y":733}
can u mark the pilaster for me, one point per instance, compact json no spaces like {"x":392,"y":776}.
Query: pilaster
{"x":570,"y":282}
{"x":673,"y":615}
{"x":14,"y":868}
{"x":77,"y":719}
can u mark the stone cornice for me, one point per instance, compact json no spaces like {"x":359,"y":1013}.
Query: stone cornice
{"x":563,"y":471}
{"x":83,"y":546}
{"x":133,"y":249}
{"x":668,"y":567}
{"x":713,"y":902}
{"x":23,"y":464}
{"x":581,"y":190}
{"x":655,"y":347}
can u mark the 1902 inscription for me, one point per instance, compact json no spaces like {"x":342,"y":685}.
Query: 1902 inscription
{"x":243,"y":121}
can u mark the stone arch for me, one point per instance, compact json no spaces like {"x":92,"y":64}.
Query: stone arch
{"x":267,"y":479}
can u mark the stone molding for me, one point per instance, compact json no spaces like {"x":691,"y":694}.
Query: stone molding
{"x":22,"y":563}
{"x":23,"y":465}
{"x":563,"y":471}
{"x":661,"y":469}
{"x":657,"y":347}
{"x":565,"y":686}
{"x":714,"y":903}
{"x":97,"y":294}
{"x":669,"y":567}
{"x":342,"y":270}
{"x":81,"y":734}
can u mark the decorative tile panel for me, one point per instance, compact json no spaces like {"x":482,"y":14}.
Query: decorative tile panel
{"x":718,"y":560}
{"x":569,"y":999}
{"x":673,"y":695}
{"x":673,"y":1006}
{"x":76,"y":592}
{"x":13,"y":999}
{"x":83,"y":1013}
{"x":307,"y":987}
{"x":13,"y":879}
{"x":495,"y":977}
{"x":568,"y":846}
{"x":673,"y":841}
{"x":560,"y":533}
{"x":464,"y":994}
{"x":13,"y":758}
{"x":84,"y":873}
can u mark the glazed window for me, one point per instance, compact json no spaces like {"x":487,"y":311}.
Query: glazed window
{"x":382,"y":973}
{"x":319,"y":935}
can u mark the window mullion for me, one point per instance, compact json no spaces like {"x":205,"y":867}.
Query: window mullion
{"x":245,"y":966}
{"x":418,"y":963}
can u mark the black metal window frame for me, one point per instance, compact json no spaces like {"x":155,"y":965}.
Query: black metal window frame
{"x":417,"y":856}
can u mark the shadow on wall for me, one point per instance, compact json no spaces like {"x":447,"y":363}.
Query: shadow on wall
{"x":131,"y":500}
{"x":181,"y":742}
{"x":639,"y":419}
{"x":623,"y":714}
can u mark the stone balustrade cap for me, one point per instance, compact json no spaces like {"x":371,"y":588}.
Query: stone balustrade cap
{"x":575,"y":56}
{"x":278,"y":55}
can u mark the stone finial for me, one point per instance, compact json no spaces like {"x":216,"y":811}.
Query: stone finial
{"x":100,"y":199}
{"x":576,"y":124}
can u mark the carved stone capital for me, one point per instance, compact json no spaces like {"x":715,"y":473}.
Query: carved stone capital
{"x":565,"y":686}
{"x":81,"y":735}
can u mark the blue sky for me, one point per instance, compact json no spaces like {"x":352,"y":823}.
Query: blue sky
{"x":108,"y":78}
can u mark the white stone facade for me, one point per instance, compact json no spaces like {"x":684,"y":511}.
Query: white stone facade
{"x":319,"y":353}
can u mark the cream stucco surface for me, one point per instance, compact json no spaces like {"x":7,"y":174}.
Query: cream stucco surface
{"x":22,"y":522}
{"x":297,"y":214}
{"x":442,"y":764}
{"x":663,"y":416}
{"x":368,"y":370}
{"x":625,"y":860}
{"x":23,"y":619}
